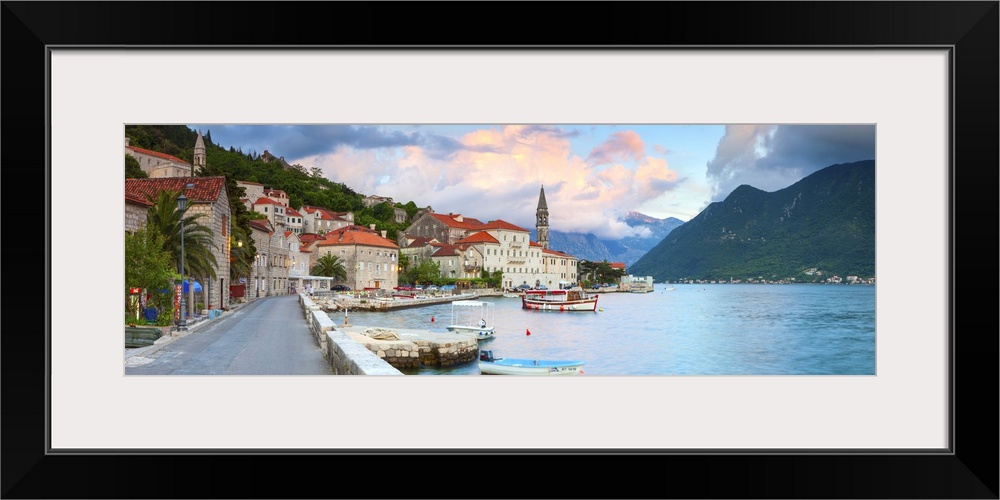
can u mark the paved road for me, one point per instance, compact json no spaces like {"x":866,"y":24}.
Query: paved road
{"x":267,"y":337}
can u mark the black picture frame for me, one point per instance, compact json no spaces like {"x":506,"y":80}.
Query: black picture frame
{"x":969,"y":28}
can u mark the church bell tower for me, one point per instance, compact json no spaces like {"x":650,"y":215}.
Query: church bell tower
{"x":542,"y":220}
{"x":199,"y":155}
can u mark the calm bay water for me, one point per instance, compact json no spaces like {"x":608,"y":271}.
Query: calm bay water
{"x":692,"y":330}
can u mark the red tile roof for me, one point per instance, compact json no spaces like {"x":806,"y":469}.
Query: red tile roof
{"x":452,"y":221}
{"x":205,"y":189}
{"x":446,"y":251}
{"x":263,"y":200}
{"x":261,"y":224}
{"x":501,"y":224}
{"x":617,"y":265}
{"x":138,"y":201}
{"x":158,"y":154}
{"x":294,"y":213}
{"x":557,"y":253}
{"x":355,"y":237}
{"x":480,"y":237}
{"x":416,"y":241}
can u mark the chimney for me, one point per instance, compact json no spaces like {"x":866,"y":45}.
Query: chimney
{"x":372,"y":226}
{"x":126,"y":141}
{"x":383,"y":233}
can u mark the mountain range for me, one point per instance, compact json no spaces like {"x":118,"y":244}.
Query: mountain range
{"x":628,"y":250}
{"x":823,"y":225}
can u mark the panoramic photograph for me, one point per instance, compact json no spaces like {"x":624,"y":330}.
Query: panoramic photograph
{"x":587,"y":250}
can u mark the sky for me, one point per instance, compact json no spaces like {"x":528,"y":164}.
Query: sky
{"x":593,"y":175}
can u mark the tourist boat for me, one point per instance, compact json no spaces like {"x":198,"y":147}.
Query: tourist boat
{"x":473,"y":318}
{"x":489,"y":365}
{"x":559,"y":300}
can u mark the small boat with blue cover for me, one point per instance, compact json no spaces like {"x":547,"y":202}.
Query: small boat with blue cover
{"x":490,"y":365}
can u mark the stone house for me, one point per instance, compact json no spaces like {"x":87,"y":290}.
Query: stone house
{"x":207,"y":196}
{"x":370,"y":259}
{"x":274,"y":211}
{"x":559,"y":269}
{"x":293,"y":220}
{"x":269,"y":272}
{"x":446,"y":228}
{"x":321,"y":221}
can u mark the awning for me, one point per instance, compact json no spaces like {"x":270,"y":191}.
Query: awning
{"x":197,"y":286}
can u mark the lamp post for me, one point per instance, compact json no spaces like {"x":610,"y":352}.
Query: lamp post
{"x":256,"y":281}
{"x":182,"y":206}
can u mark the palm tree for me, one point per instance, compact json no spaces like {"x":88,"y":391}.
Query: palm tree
{"x":329,"y":265}
{"x":198,"y":257}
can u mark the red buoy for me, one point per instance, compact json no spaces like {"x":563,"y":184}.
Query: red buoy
{"x":432,"y":318}
{"x":527,"y":332}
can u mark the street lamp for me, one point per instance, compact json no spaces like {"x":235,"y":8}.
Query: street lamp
{"x":256,"y":280}
{"x":182,"y":206}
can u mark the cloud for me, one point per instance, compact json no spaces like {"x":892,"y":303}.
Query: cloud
{"x":772,"y":157}
{"x":298,"y":141}
{"x":620,"y":147}
{"x":496,"y":172}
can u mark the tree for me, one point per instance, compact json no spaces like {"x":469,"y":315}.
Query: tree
{"x":133,"y":170}
{"x":426,"y":272}
{"x":147,"y":264}
{"x":496,"y":278}
{"x":166,"y":218}
{"x":331,"y":266}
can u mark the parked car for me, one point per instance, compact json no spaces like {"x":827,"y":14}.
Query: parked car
{"x":431,"y":288}
{"x":447,"y":288}
{"x":340,"y":288}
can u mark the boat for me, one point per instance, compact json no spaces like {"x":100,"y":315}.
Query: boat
{"x":473,"y":318}
{"x":510,"y":295}
{"x":574,"y":299}
{"x":489,"y":365}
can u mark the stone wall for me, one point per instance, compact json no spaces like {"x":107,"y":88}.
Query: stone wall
{"x":135,"y":216}
{"x":345,"y":355}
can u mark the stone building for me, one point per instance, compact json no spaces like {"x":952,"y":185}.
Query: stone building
{"x":157,"y":164}
{"x":321,"y":221}
{"x":207,"y":196}
{"x":370,"y":259}
{"x":458,"y":261}
{"x":417,"y":249}
{"x":446,"y":228}
{"x":135,"y":212}
{"x":269,"y":272}
{"x":274,"y":211}
{"x":542,"y":220}
{"x":251,"y":191}
{"x":293,"y":220}
{"x":559,"y":269}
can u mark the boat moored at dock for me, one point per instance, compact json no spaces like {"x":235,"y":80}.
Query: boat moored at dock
{"x":559,"y":300}
{"x":473,"y":318}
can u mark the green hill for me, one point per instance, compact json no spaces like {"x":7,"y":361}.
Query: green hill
{"x":303,"y":187}
{"x":821,"y":226}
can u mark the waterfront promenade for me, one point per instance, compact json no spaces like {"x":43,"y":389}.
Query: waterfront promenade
{"x":268,"y":336}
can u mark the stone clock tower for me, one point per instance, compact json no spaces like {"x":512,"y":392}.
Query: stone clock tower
{"x":542,"y":220}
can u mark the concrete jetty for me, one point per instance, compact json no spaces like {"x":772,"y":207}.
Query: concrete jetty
{"x":411,"y":348}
